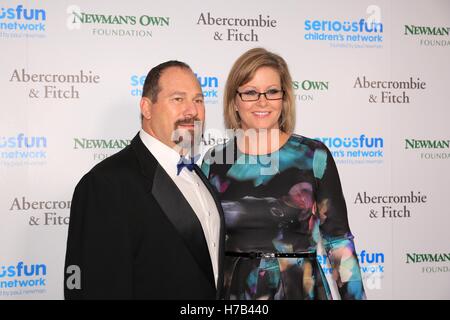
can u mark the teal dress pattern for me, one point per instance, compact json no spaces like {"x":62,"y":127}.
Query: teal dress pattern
{"x":286,"y":202}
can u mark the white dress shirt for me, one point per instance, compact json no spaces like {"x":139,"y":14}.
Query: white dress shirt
{"x":193,"y":190}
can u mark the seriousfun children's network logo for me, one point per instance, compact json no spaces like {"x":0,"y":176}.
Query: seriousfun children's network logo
{"x":22,"y":22}
{"x":355,"y":150}
{"x":371,"y":265}
{"x":22,"y":150}
{"x":22,"y":279}
{"x":209,"y":86}
{"x":359,"y":33}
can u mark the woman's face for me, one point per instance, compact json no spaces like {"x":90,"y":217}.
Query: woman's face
{"x":263,"y":113}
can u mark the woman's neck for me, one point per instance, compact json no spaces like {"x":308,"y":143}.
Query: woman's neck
{"x":260,"y":141}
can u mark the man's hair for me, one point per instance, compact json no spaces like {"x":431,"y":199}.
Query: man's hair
{"x":151,"y":85}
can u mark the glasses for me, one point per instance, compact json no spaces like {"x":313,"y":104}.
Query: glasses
{"x":252,"y":95}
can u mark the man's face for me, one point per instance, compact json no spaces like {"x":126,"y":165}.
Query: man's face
{"x":178,"y":106}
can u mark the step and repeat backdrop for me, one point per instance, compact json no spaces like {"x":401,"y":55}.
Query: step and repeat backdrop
{"x":371,"y":81}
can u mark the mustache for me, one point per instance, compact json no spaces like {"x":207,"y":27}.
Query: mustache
{"x":187,"y":138}
{"x":186,"y":121}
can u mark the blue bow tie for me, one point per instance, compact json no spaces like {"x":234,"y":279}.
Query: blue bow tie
{"x":187,"y":163}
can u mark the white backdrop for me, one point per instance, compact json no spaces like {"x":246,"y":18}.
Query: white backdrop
{"x":71,"y":76}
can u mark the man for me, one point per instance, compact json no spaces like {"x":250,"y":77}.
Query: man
{"x":143,"y":224}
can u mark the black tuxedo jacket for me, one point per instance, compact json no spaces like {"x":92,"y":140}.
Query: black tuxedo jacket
{"x":134,"y":236}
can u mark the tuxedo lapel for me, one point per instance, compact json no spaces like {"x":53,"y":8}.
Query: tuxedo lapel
{"x":183,"y":218}
{"x":175,"y":207}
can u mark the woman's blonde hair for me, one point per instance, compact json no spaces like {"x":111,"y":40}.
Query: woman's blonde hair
{"x":244,"y":70}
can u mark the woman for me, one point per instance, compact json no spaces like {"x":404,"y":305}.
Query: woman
{"x":280,"y":193}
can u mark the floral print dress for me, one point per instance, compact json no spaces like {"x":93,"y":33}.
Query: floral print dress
{"x":283,"y":202}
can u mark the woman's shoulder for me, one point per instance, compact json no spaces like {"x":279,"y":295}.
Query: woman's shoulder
{"x":218,"y":150}
{"x":316,"y":150}
{"x":218,"y":155}
{"x":310,"y":143}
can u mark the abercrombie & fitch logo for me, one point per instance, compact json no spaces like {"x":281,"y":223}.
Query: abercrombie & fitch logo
{"x":389,"y":89}
{"x":237,"y":29}
{"x":391,"y":206}
{"x":43,"y":212}
{"x":53,"y":85}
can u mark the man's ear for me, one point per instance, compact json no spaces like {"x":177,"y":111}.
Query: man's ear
{"x":146,"y":108}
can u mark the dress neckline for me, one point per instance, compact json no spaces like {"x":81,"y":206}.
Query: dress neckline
{"x":239,"y":151}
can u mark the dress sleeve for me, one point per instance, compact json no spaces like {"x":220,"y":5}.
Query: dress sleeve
{"x":334,"y":227}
